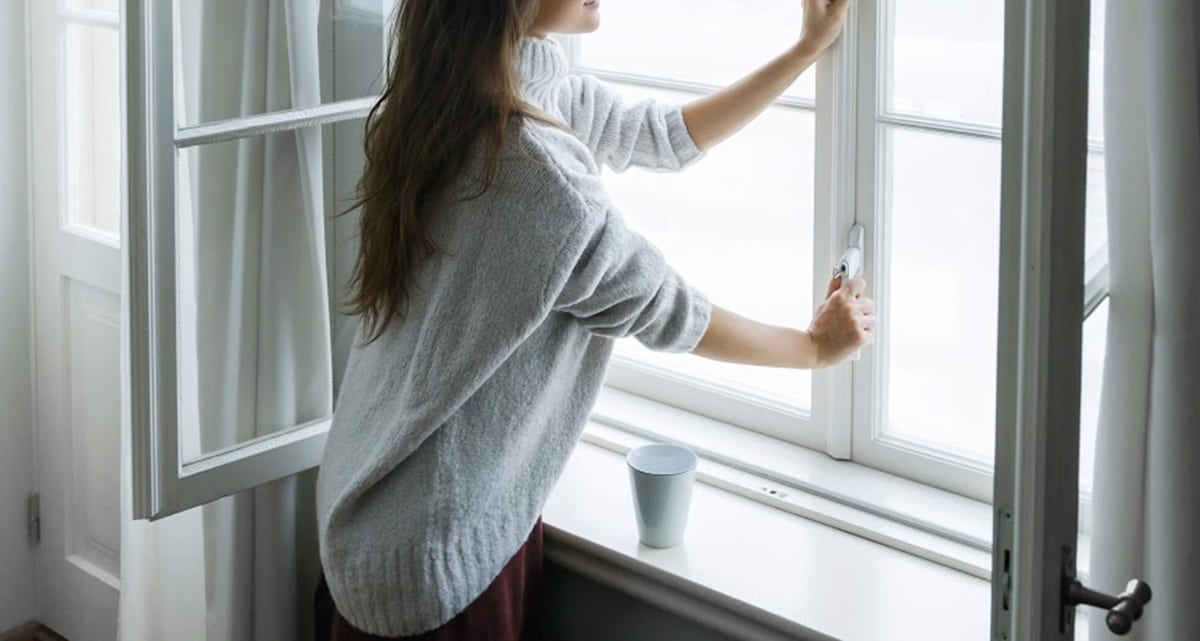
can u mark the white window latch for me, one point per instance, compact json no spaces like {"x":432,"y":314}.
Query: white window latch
{"x":850,"y":265}
{"x":851,"y":262}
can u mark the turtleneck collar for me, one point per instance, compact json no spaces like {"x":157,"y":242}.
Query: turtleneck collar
{"x":543,"y":64}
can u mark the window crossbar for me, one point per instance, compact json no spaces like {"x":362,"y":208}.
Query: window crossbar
{"x":960,"y":128}
{"x":91,"y":17}
{"x":274,"y":122}
{"x":683,"y":86}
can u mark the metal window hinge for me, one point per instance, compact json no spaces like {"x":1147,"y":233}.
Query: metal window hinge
{"x":1003,"y":587}
{"x":33,"y":511}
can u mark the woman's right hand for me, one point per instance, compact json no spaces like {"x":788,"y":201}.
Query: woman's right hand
{"x":843,"y":323}
{"x":823,"y":23}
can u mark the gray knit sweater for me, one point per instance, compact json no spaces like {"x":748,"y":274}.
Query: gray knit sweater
{"x":452,"y":428}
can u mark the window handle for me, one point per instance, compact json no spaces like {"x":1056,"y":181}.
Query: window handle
{"x":850,"y":264}
{"x":1123,"y":609}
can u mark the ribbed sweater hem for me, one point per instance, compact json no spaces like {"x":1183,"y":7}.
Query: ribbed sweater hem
{"x":366,"y":588}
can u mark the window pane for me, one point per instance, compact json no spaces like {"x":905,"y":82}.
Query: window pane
{"x":945,"y":59}
{"x":708,"y":41}
{"x":1096,"y":238}
{"x":1095,"y":243}
{"x":253,"y":303}
{"x":93,"y":129}
{"x":1096,"y":73}
{"x":942,"y":204}
{"x":249,"y":58}
{"x":1095,"y":336}
{"x":739,"y":226}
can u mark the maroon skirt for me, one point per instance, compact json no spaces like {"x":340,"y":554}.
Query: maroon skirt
{"x":508,"y":610}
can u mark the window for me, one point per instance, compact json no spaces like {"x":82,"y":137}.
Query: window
{"x":910,"y":104}
{"x":237,"y":112}
{"x":91,"y":37}
{"x":897,"y":129}
{"x":740,"y":224}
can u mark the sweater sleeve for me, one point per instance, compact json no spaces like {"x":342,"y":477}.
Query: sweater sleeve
{"x":647,"y":133}
{"x":620,"y":285}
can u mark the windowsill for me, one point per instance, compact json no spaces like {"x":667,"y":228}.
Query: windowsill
{"x":800,"y":546}
{"x":754,"y":571}
{"x":934,"y":524}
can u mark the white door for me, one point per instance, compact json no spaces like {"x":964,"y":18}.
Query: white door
{"x":76,"y":201}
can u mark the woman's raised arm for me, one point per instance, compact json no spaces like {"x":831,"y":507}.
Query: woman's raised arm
{"x":723,"y":113}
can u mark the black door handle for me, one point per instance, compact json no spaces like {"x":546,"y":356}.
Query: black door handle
{"x":1123,"y":609}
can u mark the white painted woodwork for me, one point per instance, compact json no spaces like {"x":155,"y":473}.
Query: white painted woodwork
{"x":16,"y":396}
{"x":75,"y":170}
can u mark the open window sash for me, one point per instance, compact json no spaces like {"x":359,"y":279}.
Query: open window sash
{"x":1036,"y":492}
{"x":164,"y":480}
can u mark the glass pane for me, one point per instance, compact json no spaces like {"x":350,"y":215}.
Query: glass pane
{"x":1096,"y":238}
{"x":945,"y":59}
{"x":240,"y":58}
{"x":93,"y":127}
{"x":942,"y":203}
{"x":1096,"y":73}
{"x":708,"y":41}
{"x":253,"y":303}
{"x":1095,"y":243}
{"x":1095,"y":337}
{"x":739,"y":226}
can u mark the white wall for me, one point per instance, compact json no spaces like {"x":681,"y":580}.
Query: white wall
{"x":16,"y":419}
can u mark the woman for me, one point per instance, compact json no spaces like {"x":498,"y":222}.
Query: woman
{"x":493,"y":277}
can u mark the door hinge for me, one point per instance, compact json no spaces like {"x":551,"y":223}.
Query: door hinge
{"x":33,"y":512}
{"x":1002,"y":612}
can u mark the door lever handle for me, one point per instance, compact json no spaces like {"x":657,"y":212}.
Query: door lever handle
{"x":1123,"y":609}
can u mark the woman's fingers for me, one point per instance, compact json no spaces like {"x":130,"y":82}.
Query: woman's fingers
{"x":868,"y":322}
{"x":834,"y":284}
{"x":855,"y":287}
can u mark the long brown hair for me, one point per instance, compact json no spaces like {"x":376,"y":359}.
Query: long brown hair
{"x":453,"y":80}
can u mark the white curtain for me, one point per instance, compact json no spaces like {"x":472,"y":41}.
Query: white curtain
{"x":260,"y":322}
{"x":1146,"y":520}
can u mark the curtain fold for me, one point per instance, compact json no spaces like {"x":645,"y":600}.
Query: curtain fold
{"x":263,"y":306}
{"x":1146,"y":519}
{"x":243,"y":568}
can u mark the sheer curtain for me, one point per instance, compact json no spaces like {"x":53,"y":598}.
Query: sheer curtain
{"x":258,"y":313}
{"x":1146,"y":521}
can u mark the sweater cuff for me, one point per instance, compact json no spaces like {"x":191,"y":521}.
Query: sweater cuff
{"x":686,"y":151}
{"x":698,"y":317}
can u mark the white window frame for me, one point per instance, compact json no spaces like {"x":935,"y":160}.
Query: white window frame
{"x":163,"y":483}
{"x":847,"y":403}
{"x":814,"y":429}
{"x":871,"y":447}
{"x":847,"y":417}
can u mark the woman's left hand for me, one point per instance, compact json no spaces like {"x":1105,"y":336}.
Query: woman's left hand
{"x":823,"y":23}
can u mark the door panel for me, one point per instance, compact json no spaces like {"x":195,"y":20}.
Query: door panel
{"x":75,"y":197}
{"x":91,"y":336}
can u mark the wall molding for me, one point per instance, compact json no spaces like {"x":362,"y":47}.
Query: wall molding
{"x":31,"y":631}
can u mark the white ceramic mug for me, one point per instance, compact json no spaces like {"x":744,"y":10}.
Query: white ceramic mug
{"x":661,"y":476}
